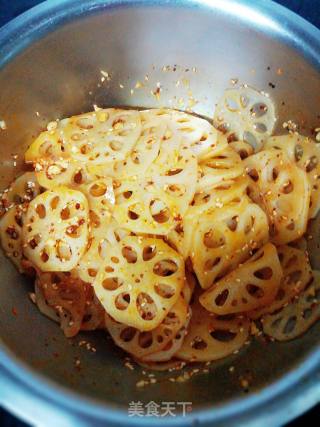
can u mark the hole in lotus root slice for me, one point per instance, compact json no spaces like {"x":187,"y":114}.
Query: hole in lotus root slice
{"x":297,"y":275}
{"x":101,"y":198}
{"x":247,"y":114}
{"x":243,"y":148}
{"x":306,"y":155}
{"x":214,"y":259}
{"x":154,"y":285}
{"x":252,"y":285}
{"x":55,"y":230}
{"x":171,"y":348}
{"x":22,"y":190}
{"x":284,"y":192}
{"x":298,"y":316}
{"x":141,"y":209}
{"x":101,"y":137}
{"x":206,"y":339}
{"x":143,"y":343}
{"x":11,"y":234}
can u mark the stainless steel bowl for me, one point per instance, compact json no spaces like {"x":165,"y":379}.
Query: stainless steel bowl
{"x":50,"y":61}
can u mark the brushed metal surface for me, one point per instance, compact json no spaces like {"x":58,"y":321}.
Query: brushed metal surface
{"x":50,"y":68}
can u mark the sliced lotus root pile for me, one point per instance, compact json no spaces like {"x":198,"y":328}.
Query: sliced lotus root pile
{"x":306,"y":154}
{"x":155,"y":204}
{"x":146,"y":149}
{"x":144,"y":343}
{"x":11,"y":234}
{"x":284,"y":192}
{"x":55,"y":230}
{"x":172,"y":347}
{"x":48,"y":145}
{"x":175,"y":180}
{"x":211,"y":338}
{"x":296,"y":318}
{"x":219,"y":168}
{"x":297,"y":274}
{"x":252,"y":285}
{"x":140,"y":281}
{"x":226,"y":237}
{"x":102,"y":136}
{"x":64,"y":171}
{"x":103,"y":235}
{"x":204,"y":202}
{"x":89,"y":264}
{"x":53,"y":166}
{"x":101,"y":198}
{"x":22,"y":190}
{"x":67,"y":296}
{"x":140,"y":209}
{"x":190,"y":131}
{"x":245,"y":114}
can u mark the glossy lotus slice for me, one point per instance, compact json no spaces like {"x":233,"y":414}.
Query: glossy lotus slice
{"x":297,"y":317}
{"x":11,"y":234}
{"x":155,"y":204}
{"x":100,"y":196}
{"x":226,"y":237}
{"x":219,"y":168}
{"x":102,"y":136}
{"x":141,"y":209}
{"x":180,"y":237}
{"x":146,"y":149}
{"x":175,"y":179}
{"x":143,"y":343}
{"x":172,"y":347}
{"x":250,"y":286}
{"x":21,"y":190}
{"x":297,"y":274}
{"x":185,"y":129}
{"x":48,"y":145}
{"x":52,"y":173}
{"x":140,"y":281}
{"x":210,"y":338}
{"x":246,"y":114}
{"x":103,"y":235}
{"x":89,"y":264}
{"x":55,"y":230}
{"x":306,"y":154}
{"x":283,"y":191}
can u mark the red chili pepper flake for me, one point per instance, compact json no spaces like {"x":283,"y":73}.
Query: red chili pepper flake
{"x":14,"y":311}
